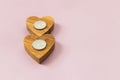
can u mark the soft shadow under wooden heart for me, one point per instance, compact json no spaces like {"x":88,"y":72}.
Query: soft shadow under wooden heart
{"x":39,"y":55}
{"x":49,"y":27}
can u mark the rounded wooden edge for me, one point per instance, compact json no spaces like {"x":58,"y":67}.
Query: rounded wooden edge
{"x":41,"y":59}
{"x":49,"y":18}
{"x":30,"y":21}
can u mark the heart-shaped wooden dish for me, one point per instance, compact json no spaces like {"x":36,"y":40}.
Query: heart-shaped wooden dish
{"x":39,"y":55}
{"x":49,"y":27}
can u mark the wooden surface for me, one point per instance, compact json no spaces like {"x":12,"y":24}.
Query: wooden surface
{"x":44,"y":34}
{"x":30,"y":25}
{"x":39,"y":55}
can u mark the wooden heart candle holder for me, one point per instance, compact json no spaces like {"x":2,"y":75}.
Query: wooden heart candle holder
{"x":40,"y":43}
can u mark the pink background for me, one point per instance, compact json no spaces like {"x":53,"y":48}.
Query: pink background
{"x":87,"y":40}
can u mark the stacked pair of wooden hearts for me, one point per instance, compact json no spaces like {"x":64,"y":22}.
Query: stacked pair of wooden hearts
{"x":40,"y":43}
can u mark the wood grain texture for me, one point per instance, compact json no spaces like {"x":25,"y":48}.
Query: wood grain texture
{"x":44,"y":34}
{"x":39,"y":55}
{"x":30,"y":25}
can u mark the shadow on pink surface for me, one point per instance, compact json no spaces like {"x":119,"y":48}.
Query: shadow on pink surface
{"x":54,"y":55}
{"x":56,"y":30}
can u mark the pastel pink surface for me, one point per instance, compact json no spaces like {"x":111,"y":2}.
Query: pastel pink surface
{"x":87,"y":40}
